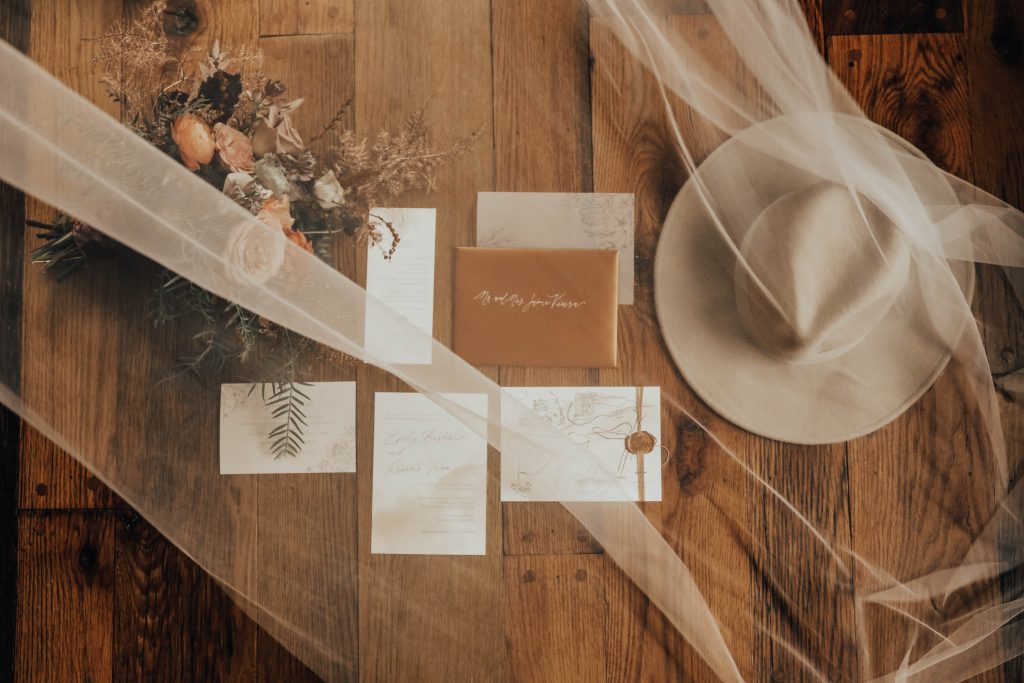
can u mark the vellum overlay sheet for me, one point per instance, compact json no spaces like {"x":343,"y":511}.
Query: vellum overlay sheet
{"x":429,"y":477}
{"x":303,"y":428}
{"x":620,"y":426}
{"x":560,"y":220}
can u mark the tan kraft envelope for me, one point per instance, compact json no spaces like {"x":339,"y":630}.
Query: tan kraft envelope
{"x":536,"y":307}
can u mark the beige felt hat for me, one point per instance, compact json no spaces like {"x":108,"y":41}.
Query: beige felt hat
{"x":789,"y":317}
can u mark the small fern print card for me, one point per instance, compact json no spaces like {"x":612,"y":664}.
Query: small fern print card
{"x":291,"y":428}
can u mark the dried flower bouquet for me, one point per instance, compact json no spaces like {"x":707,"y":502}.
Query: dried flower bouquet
{"x":225,"y":121}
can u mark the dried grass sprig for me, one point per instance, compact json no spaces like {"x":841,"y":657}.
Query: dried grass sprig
{"x":131,"y":54}
{"x":389,"y":165}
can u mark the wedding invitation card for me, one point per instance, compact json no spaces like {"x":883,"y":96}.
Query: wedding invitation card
{"x":620,"y":427}
{"x":561,"y":220}
{"x":404,"y":282}
{"x":539,"y":307}
{"x":287,"y":429}
{"x":429,"y":477}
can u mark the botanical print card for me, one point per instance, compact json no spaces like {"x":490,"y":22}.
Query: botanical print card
{"x":404,"y":282}
{"x":536,"y":307}
{"x":287,"y":429}
{"x":620,"y":427}
{"x":429,"y":477}
{"x":560,"y":220}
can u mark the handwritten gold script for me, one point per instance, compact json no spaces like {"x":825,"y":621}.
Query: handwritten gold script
{"x":559,"y":301}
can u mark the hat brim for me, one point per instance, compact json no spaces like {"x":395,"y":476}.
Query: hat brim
{"x":828,"y":402}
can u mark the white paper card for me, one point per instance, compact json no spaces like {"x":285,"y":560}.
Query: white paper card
{"x":405,"y":283}
{"x":601,"y":420}
{"x":246,"y":421}
{"x":554,"y":220}
{"x":429,"y":477}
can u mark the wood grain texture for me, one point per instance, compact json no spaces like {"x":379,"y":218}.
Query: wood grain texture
{"x":542,"y":143}
{"x":812,"y":11}
{"x":320,"y":69}
{"x":859,"y":17}
{"x":306,"y":17}
{"x":15,"y":26}
{"x":438,"y":55}
{"x":171,"y":622}
{"x":527,"y":615}
{"x":235,"y":23}
{"x":65,"y":597}
{"x":635,"y":152}
{"x":52,"y":480}
{"x":916,"y":85}
{"x":570,"y":590}
{"x":306,"y":508}
{"x":995,"y":58}
{"x":67,"y":320}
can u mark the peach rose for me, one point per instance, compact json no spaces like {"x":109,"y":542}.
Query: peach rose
{"x":233,"y":148}
{"x":254,"y":255}
{"x":298,"y":238}
{"x":194,"y":140}
{"x":277,"y":213}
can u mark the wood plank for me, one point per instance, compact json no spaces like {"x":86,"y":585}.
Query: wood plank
{"x":15,"y":26}
{"x":10,"y":426}
{"x":65,"y":597}
{"x":916,"y":85}
{"x":995,"y":69}
{"x":235,"y":23}
{"x":302,"y":518}
{"x":634,"y":152}
{"x":542,"y":143}
{"x":812,"y":11}
{"x":171,"y":621}
{"x":860,"y":17}
{"x":53,"y":480}
{"x":429,"y":618}
{"x":320,"y":69}
{"x":68,"y":321}
{"x":995,"y":72}
{"x":565,"y":638}
{"x":310,"y":17}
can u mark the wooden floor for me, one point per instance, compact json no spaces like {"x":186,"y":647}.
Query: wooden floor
{"x":90,"y":592}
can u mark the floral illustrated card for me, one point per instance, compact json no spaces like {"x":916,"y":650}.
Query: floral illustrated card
{"x":560,"y":220}
{"x":620,"y":428}
{"x":429,"y":477}
{"x":289,"y":428}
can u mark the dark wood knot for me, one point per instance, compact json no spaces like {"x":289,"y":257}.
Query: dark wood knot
{"x":87,"y":556}
{"x":1006,"y":40}
{"x":182,"y":19}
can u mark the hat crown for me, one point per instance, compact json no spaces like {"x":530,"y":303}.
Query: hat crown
{"x":819,"y":271}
